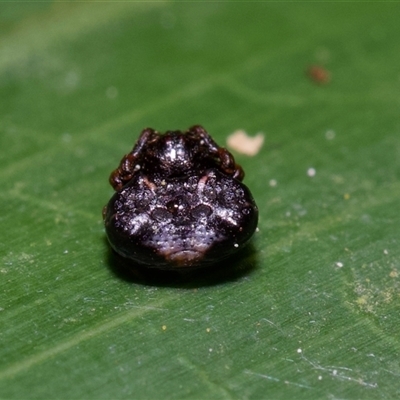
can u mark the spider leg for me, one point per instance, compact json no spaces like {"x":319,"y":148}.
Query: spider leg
{"x":226,"y":159}
{"x":229,"y":165}
{"x":129,"y":163}
{"x":199,"y":131}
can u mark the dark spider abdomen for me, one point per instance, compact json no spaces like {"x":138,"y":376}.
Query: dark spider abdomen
{"x":178,"y":203}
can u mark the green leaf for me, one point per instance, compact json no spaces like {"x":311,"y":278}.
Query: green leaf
{"x":311,"y":310}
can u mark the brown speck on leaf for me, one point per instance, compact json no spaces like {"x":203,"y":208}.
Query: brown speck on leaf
{"x":319,"y":74}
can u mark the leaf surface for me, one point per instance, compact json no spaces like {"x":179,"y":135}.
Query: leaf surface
{"x":310,"y":309}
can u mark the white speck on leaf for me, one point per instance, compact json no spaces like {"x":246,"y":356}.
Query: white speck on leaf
{"x":339,"y":264}
{"x":341,"y":373}
{"x":241,"y":142}
{"x":273,"y":182}
{"x":330,"y":134}
{"x":311,"y":172}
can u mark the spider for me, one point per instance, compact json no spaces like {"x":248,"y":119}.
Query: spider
{"x":179,"y":202}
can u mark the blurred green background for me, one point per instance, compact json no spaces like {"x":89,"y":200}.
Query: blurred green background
{"x":312,"y":309}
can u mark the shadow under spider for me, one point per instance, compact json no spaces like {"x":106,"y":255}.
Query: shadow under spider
{"x":230,"y":269}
